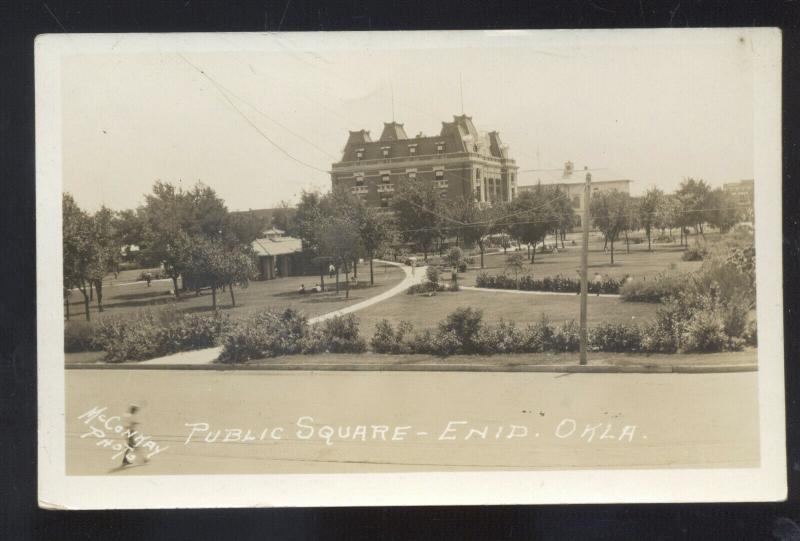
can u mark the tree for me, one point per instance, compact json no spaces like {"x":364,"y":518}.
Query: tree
{"x":242,"y":228}
{"x":375,"y":231}
{"x":129,"y":229}
{"x":693,"y":196}
{"x":532,"y":217}
{"x":89,"y":250}
{"x":611,"y":215}
{"x":516,"y":263}
{"x":564,"y":213}
{"x":481,"y":223}
{"x":107,"y":250}
{"x":283,"y":219}
{"x":649,"y":207}
{"x":667,"y":213}
{"x":77,"y":249}
{"x":723,"y":211}
{"x":340,"y":241}
{"x":419,"y":209}
{"x":174,"y":218}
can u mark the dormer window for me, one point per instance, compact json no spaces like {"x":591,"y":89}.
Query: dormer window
{"x":385,"y":151}
{"x":411,"y":173}
{"x":359,"y":154}
{"x":360,"y":179}
{"x":412,"y":150}
{"x":440,"y":147}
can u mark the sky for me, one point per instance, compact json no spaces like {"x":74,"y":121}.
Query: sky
{"x":260,"y":124}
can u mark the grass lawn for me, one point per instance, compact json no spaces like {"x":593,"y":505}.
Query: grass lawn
{"x":639,"y":262}
{"x":425,"y":311}
{"x":123,"y":296}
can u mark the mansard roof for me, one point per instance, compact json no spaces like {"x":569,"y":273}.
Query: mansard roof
{"x":460,"y":135}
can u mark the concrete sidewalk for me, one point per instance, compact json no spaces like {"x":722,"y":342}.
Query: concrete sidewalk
{"x":521,"y":292}
{"x":207,"y":356}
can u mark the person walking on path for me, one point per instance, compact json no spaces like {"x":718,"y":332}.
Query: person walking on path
{"x":597,"y":281}
{"x":148,"y":278}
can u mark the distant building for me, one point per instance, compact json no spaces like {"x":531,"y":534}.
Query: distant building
{"x":742,"y":191}
{"x":460,"y":161}
{"x":572,"y":182}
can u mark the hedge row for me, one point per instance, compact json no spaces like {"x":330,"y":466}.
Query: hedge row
{"x":560,"y":284}
{"x":270,"y":334}
{"x":146,"y":335}
{"x":463,"y":332}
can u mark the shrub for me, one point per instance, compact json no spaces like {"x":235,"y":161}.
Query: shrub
{"x":81,"y":336}
{"x":502,"y":338}
{"x":703,"y":333}
{"x":558,"y":283}
{"x":265,"y":334}
{"x":464,"y":324}
{"x":154,"y":334}
{"x":696,"y":252}
{"x":432,"y":274}
{"x":338,"y":334}
{"x":619,"y":337}
{"x":751,"y":334}
{"x":454,"y":257}
{"x":462,"y":266}
{"x":155,"y":274}
{"x":270,"y":334}
{"x":657,"y":289}
{"x":565,"y":338}
{"x":425,"y":287}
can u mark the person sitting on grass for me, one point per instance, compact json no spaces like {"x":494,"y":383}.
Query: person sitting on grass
{"x":302,"y":289}
{"x":316,"y":289}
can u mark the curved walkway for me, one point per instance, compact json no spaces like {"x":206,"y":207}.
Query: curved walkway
{"x":206,"y":356}
{"x":519,"y":291}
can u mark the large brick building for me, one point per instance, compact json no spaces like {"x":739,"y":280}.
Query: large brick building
{"x":462,"y":163}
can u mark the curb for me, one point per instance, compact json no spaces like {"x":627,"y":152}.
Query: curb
{"x":568,"y":369}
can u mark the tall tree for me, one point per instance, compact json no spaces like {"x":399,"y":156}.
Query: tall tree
{"x":649,"y":207}
{"x":375,"y":231}
{"x":90,"y":250}
{"x":419,"y":210}
{"x":107,"y":250}
{"x":693,"y":196}
{"x":340,"y":241}
{"x":532,"y":217}
{"x":482,"y":222}
{"x":611,"y":215}
{"x":564,"y":213}
{"x":723,"y":211}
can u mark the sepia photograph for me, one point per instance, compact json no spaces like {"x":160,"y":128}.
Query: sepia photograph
{"x":396,"y":268}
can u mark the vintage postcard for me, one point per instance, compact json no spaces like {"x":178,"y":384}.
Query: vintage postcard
{"x":409,"y":268}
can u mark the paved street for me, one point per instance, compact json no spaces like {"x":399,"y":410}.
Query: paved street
{"x":413,"y":421}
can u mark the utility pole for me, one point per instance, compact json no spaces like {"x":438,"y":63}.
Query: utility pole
{"x":585,"y":267}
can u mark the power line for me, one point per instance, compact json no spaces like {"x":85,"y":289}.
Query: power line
{"x":247,"y":119}
{"x":528,"y":222}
